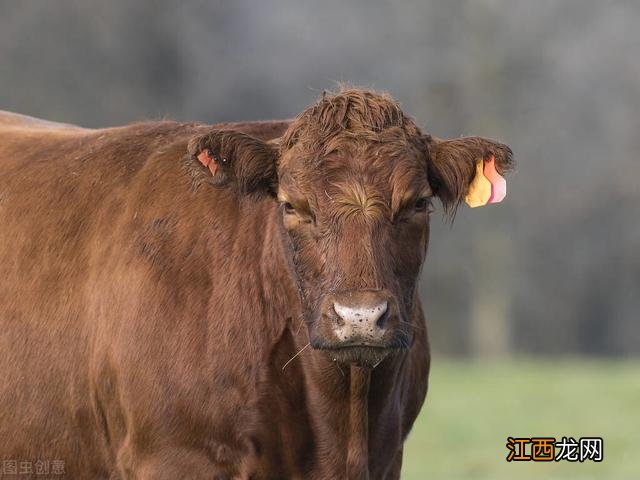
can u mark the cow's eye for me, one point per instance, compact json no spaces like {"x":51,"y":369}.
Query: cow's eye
{"x":422,"y":205}
{"x":288,"y":208}
{"x":298,"y":214}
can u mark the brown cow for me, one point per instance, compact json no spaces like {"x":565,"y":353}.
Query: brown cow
{"x":161,"y":322}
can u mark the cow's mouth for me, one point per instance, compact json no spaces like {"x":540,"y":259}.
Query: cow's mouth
{"x":362,"y":355}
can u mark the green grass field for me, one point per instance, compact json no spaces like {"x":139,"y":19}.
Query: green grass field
{"x":472,"y":408}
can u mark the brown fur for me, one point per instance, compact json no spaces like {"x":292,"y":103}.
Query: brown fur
{"x":150,"y":314}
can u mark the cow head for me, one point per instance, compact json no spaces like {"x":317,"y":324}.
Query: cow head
{"x":354,"y":179}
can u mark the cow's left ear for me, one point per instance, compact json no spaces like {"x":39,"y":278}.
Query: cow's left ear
{"x":468,"y":168}
{"x":236,"y":160}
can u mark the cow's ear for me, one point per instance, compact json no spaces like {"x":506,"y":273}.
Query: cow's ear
{"x":227,"y":158}
{"x":468,"y":168}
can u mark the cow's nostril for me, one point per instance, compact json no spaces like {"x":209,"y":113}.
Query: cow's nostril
{"x":336,"y":317}
{"x":380,"y":323}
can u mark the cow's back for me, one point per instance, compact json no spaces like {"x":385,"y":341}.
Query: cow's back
{"x":17,"y":120}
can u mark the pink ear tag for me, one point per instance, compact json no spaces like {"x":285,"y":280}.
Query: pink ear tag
{"x":498,"y":183}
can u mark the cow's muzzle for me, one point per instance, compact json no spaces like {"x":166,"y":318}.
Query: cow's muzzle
{"x":357,"y":325}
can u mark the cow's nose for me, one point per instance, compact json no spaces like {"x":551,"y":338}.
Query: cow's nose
{"x":361,"y":317}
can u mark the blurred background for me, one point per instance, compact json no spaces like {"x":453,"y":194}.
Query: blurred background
{"x":533,"y":305}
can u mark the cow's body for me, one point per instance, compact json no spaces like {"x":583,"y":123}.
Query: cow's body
{"x":145,"y":320}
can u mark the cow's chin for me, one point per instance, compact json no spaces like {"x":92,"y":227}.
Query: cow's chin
{"x":363,"y":356}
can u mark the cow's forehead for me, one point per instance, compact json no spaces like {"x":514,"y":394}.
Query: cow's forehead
{"x":347,"y":155}
{"x":373,"y":176}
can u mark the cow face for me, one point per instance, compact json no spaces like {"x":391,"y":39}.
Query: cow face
{"x":355,"y":180}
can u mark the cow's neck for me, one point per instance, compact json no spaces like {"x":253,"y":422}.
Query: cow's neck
{"x":351,"y":409}
{"x":358,"y":443}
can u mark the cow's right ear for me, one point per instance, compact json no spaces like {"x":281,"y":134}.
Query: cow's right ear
{"x":236,"y":160}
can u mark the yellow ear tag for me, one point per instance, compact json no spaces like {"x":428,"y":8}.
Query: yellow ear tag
{"x":480,"y":188}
